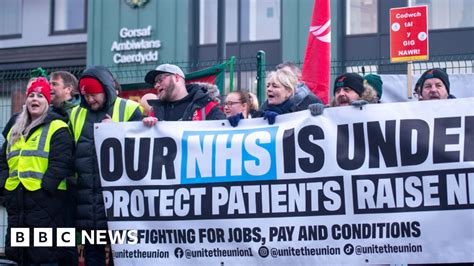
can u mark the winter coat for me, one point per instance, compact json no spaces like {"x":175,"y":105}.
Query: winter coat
{"x":45,"y":207}
{"x":90,"y":203}
{"x":185,"y":109}
{"x":288,"y":106}
{"x":301,"y":99}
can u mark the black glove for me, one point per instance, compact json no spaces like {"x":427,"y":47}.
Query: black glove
{"x":316,"y":109}
{"x":49,"y":187}
{"x":270,"y":116}
{"x":235,"y":119}
{"x":359,"y":103}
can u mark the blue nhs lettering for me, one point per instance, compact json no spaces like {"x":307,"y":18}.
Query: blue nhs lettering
{"x":228,"y":156}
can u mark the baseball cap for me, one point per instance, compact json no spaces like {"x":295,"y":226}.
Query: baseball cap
{"x":164,"y":68}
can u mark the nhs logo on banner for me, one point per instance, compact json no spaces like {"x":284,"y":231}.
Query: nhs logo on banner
{"x":228,"y":156}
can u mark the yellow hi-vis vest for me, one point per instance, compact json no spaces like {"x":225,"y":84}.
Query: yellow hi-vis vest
{"x":28,"y":160}
{"x":123,"y":110}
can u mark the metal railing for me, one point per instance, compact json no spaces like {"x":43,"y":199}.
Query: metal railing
{"x":249,"y":74}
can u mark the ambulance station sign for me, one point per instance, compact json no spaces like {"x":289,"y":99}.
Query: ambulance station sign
{"x":408,"y":34}
{"x":135,"y":46}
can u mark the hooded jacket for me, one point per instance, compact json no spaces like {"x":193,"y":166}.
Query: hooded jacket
{"x":90,"y":205}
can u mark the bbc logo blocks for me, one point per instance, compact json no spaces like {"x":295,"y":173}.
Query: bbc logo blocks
{"x":43,"y":237}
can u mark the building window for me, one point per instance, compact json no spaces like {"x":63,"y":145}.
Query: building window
{"x":68,"y":16}
{"x":208,"y":21}
{"x":10,"y":18}
{"x":361,"y":16}
{"x":259,"y":20}
{"x":444,"y":14}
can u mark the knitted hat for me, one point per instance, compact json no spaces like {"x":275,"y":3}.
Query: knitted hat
{"x":351,"y":80}
{"x":435,"y":73}
{"x":40,"y":85}
{"x":376,"y":82}
{"x":90,"y":86}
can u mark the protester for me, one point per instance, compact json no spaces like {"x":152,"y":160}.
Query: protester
{"x":99,"y":103}
{"x":35,"y":161}
{"x":64,"y":94}
{"x":237,"y":106}
{"x":147,"y":110}
{"x":281,"y":85}
{"x":372,"y":88}
{"x":178,"y":101}
{"x":237,"y":102}
{"x":434,"y":85}
{"x":348,"y":87}
{"x":303,"y":96}
{"x":35,"y":73}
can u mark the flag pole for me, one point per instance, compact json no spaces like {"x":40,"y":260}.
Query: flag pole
{"x":410,"y":70}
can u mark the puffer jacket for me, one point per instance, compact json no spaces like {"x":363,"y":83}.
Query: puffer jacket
{"x":90,"y":204}
{"x":45,"y":207}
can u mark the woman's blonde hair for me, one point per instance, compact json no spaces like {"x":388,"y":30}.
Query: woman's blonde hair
{"x":23,"y":123}
{"x":369,"y":94}
{"x":285,"y":77}
{"x":253,"y":100}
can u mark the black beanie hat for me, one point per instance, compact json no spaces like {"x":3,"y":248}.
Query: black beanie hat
{"x":351,"y":80}
{"x":434,"y":73}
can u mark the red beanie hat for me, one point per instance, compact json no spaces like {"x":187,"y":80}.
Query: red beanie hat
{"x":90,"y":86}
{"x":40,"y":85}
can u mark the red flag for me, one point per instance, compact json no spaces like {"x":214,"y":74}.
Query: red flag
{"x":317,"y":65}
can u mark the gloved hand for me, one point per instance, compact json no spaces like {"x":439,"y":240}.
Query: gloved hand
{"x":359,"y":103}
{"x":48,"y":187}
{"x":270,"y":116}
{"x":316,"y":109}
{"x":235,"y":119}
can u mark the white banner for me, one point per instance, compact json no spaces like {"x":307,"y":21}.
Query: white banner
{"x":391,"y":183}
{"x":395,"y":87}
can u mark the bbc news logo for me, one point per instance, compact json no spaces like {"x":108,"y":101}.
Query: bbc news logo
{"x":66,"y":237}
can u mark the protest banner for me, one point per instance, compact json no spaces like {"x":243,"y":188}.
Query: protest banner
{"x":391,"y":183}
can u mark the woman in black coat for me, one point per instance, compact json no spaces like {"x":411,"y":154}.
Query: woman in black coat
{"x":35,"y":161}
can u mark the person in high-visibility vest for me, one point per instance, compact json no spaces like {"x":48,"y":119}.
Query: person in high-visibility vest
{"x":35,"y":161}
{"x":99,"y":103}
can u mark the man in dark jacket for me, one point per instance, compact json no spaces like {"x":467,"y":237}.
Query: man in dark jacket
{"x":99,"y":103}
{"x":348,"y":88}
{"x":434,"y":85}
{"x":64,"y":94}
{"x":177,"y":101}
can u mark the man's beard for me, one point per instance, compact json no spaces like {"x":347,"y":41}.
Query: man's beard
{"x":167,"y":93}
{"x":343,"y":100}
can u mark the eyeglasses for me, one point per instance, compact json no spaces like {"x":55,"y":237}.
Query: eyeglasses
{"x":230,"y":103}
{"x":160,"y":77}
